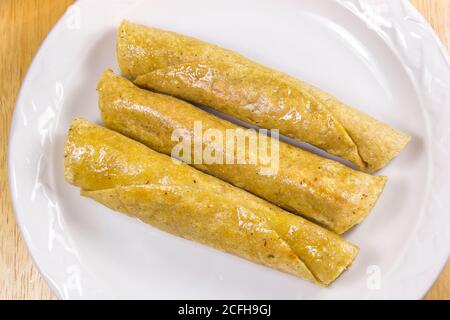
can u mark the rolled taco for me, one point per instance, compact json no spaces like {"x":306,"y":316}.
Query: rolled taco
{"x":126,"y":176}
{"x":324,"y":191}
{"x":230,"y":83}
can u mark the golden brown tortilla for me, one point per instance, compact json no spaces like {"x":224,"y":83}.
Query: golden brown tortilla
{"x":228,"y":82}
{"x":321,"y":190}
{"x":126,"y":176}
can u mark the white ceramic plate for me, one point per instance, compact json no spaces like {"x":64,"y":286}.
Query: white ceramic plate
{"x":380,"y":56}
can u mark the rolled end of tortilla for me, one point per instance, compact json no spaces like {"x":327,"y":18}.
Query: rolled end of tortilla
{"x":126,"y":176}
{"x":377,"y":143}
{"x":176,"y":64}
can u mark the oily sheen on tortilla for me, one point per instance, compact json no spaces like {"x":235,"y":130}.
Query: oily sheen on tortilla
{"x":324,"y":191}
{"x":224,"y":80}
{"x":129,"y":177}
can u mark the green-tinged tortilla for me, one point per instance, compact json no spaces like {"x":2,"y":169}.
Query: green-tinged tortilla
{"x":125,"y":175}
{"x":321,"y":190}
{"x":228,"y":82}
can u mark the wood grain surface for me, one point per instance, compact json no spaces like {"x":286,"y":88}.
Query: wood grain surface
{"x":23,"y":26}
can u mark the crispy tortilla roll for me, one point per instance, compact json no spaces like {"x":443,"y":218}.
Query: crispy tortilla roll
{"x":126,"y":176}
{"x":322,"y":190}
{"x":228,"y":82}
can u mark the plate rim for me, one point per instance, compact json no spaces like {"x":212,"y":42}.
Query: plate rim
{"x":26,"y":85}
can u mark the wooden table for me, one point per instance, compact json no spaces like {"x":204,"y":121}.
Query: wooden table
{"x":23,"y":26}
